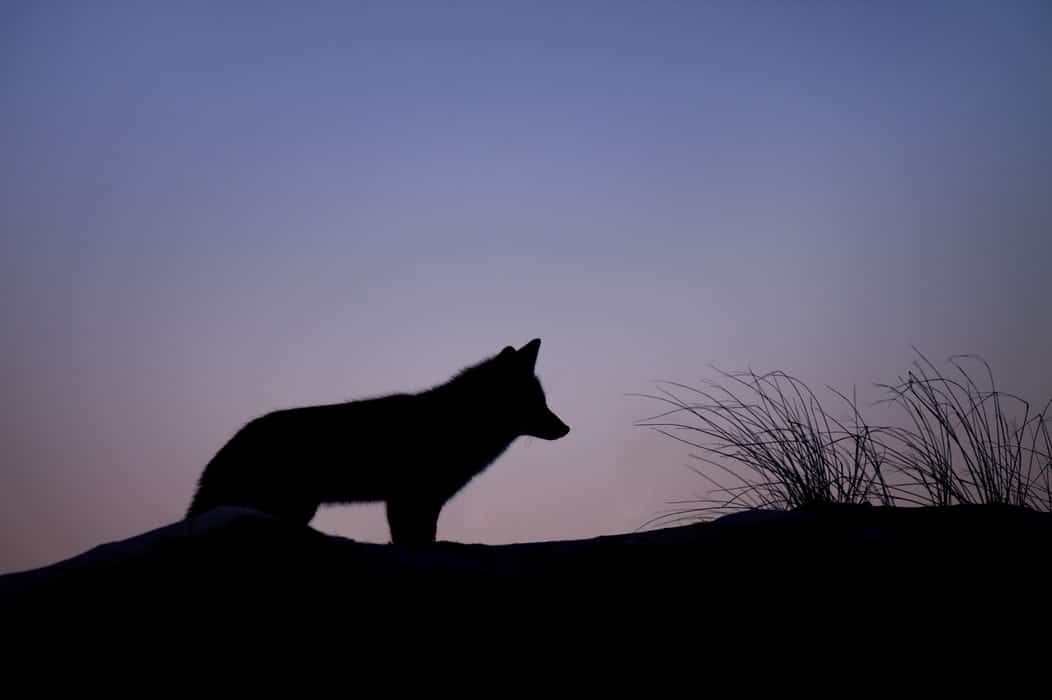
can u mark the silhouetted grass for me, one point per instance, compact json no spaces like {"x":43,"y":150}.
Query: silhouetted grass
{"x":772,"y":437}
{"x":780,"y":448}
{"x":966,"y":442}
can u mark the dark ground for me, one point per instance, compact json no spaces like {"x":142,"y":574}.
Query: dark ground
{"x":853,"y":561}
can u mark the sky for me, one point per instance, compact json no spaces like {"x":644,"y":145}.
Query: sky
{"x":213,"y":210}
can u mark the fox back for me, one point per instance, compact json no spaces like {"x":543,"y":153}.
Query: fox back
{"x":412,"y":451}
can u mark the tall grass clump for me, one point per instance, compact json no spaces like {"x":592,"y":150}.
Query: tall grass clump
{"x":966,"y":441}
{"x":769,"y":442}
{"x":774,"y":443}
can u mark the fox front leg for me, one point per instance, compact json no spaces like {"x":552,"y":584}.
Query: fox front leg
{"x":412,"y":521}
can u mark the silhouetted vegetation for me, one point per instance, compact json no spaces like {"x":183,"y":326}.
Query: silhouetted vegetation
{"x":771,"y":443}
{"x":966,"y":442}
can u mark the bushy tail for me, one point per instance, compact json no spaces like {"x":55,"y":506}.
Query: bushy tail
{"x":198,"y":505}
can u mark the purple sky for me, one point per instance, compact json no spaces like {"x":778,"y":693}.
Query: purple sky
{"x":210,"y":213}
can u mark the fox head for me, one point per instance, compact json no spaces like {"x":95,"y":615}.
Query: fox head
{"x":523,"y":399}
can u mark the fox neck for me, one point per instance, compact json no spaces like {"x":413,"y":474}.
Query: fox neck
{"x":478,"y":433}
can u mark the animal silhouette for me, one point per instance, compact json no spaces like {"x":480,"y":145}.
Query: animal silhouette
{"x":412,"y":451}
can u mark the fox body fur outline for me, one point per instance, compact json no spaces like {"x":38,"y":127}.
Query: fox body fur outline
{"x":412,"y":451}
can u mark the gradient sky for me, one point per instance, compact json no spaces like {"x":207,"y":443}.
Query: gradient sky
{"x":209,"y":212}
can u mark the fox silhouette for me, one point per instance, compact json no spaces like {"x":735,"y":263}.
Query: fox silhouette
{"x":412,"y":451}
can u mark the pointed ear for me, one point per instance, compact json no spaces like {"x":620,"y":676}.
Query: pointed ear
{"x":507,"y":353}
{"x":528,"y":352}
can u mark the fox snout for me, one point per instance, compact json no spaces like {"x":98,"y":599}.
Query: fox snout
{"x":549,"y":427}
